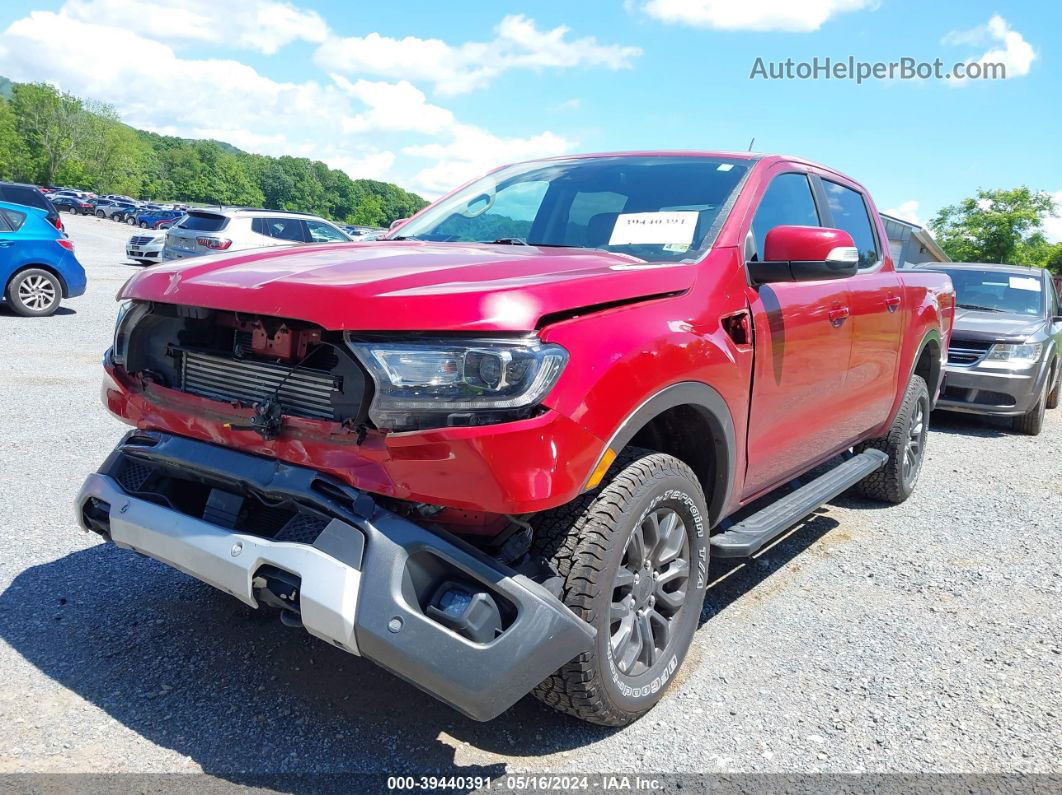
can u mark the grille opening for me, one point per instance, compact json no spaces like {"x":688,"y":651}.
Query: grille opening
{"x":251,"y":513}
{"x":242,"y":360}
{"x":967,"y":351}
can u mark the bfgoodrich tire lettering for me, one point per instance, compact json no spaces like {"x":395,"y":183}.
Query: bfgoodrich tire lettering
{"x":593,"y":542}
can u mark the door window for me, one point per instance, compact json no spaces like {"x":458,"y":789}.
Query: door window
{"x":786,"y":202}
{"x":849,"y":213}
{"x":292,"y":229}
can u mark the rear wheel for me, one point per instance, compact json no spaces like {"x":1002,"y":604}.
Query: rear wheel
{"x":143,"y":225}
{"x":634,"y":558}
{"x":34,"y":292}
{"x":905,"y":444}
{"x":100,"y":213}
{"x":130,"y":220}
{"x":1032,"y":422}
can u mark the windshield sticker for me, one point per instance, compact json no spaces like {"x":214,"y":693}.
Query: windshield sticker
{"x":654,"y":229}
{"x":1029,"y":283}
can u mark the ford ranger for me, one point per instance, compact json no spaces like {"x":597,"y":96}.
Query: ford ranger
{"x":496,"y":451}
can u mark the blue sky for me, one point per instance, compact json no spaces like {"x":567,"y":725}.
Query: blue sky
{"x":427,"y":94}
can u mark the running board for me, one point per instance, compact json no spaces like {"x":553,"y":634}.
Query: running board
{"x":750,"y":535}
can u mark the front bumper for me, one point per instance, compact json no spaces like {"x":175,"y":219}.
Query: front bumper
{"x":363,"y":576}
{"x":153,"y":254}
{"x":1004,"y":393}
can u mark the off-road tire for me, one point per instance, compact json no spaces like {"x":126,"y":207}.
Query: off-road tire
{"x":1032,"y":421}
{"x":34,"y":292}
{"x":1053,"y":396}
{"x":893,"y":482}
{"x":586,"y":541}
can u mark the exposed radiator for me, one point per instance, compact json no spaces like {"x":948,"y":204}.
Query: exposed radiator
{"x":306,"y":393}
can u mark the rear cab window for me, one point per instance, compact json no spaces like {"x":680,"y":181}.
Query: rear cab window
{"x":204,"y":222}
{"x":849,"y":212}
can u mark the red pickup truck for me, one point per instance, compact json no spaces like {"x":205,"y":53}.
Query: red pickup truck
{"x":496,"y":451}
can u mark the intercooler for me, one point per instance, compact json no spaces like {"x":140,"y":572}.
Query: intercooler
{"x":304,"y":392}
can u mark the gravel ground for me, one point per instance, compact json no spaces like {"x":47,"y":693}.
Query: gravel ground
{"x":923,"y":637}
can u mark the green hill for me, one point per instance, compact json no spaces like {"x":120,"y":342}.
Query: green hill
{"x":51,"y":138}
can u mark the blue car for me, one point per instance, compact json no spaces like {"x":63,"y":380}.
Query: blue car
{"x":151,"y":219}
{"x":37,"y":264}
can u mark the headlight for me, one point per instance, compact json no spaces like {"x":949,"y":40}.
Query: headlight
{"x":447,"y":382}
{"x":1028,"y":352}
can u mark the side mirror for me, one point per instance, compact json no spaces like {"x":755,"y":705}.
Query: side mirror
{"x":396,"y":223}
{"x":805,"y":254}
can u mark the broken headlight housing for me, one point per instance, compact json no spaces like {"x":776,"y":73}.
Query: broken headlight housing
{"x":447,"y":382}
{"x":129,"y":313}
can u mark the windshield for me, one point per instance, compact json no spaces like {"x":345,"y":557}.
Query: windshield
{"x":997,"y":291}
{"x":652,"y":208}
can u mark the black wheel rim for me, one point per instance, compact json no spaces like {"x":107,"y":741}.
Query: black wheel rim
{"x":915,"y":447}
{"x":649,"y":591}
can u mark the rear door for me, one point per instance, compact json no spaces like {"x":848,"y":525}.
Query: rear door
{"x":876,"y":311}
{"x":802,"y":347}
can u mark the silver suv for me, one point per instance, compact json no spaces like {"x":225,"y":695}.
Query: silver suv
{"x":204,"y":231}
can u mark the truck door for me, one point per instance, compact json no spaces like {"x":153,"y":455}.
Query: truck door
{"x":877,"y":315}
{"x":803,"y":343}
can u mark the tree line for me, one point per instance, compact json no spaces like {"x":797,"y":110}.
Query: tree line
{"x":1000,"y":226}
{"x":49,"y":137}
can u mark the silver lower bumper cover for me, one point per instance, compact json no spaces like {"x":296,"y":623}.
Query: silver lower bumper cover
{"x":228,"y":561}
{"x":364,"y":576}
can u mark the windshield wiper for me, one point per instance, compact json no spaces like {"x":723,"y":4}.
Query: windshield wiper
{"x":979,"y":308}
{"x":404,"y":237}
{"x":508,"y":241}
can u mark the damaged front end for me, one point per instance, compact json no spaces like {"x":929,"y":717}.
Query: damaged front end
{"x":423,"y":604}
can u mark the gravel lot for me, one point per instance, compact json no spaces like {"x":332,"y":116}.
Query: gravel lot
{"x":924,"y":637}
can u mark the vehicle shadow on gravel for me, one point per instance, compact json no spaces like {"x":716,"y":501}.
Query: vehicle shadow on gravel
{"x":198,"y":672}
{"x":955,"y":422}
{"x":6,"y":312}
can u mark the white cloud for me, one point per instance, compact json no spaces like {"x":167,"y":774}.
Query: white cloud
{"x":788,"y":15}
{"x":454,"y":69}
{"x":263,"y":25}
{"x":907,"y":211}
{"x":1011,"y":49}
{"x":355,"y":125}
{"x":1053,"y":225}
{"x":473,"y":151}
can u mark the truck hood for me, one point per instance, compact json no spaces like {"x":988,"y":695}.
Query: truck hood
{"x":972,"y":324}
{"x":409,"y":285}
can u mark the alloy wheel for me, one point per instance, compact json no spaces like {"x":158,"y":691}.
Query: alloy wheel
{"x":916,"y":442}
{"x":649,"y":590}
{"x":36,"y":293}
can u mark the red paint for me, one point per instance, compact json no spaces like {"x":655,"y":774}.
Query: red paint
{"x":826,"y":366}
{"x":803,"y":243}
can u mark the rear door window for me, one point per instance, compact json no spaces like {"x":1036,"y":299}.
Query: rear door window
{"x":849,"y":213}
{"x":12,"y":219}
{"x":786,"y":202}
{"x":204,"y":222}
{"x":290,"y":229}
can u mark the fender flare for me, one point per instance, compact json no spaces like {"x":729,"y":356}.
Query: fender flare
{"x":933,"y":335}
{"x":715,"y":411}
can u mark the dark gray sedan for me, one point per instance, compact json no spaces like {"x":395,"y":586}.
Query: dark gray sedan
{"x":1005,"y":356}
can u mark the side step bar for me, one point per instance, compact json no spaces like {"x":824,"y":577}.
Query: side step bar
{"x":750,"y":535}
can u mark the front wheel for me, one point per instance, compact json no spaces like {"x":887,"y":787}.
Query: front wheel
{"x":905,"y":444}
{"x":1032,"y":422}
{"x":1053,"y":396}
{"x":100,"y":213}
{"x":634,"y":558}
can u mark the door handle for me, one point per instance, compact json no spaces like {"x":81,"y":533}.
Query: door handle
{"x":892,"y":303}
{"x":838,"y":315}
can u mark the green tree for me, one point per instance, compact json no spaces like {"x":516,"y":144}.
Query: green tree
{"x":1002,"y":226}
{"x":52,"y":123}
{"x":14,"y":157}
